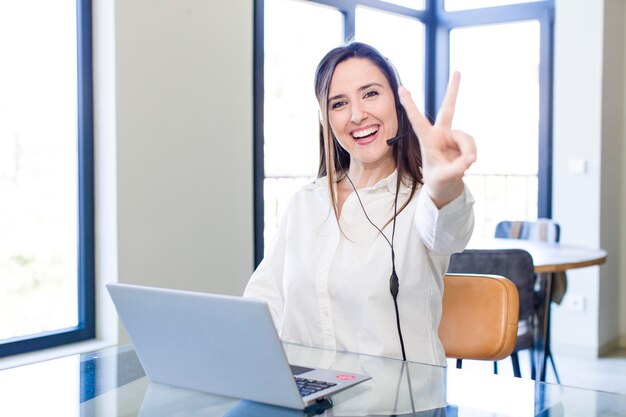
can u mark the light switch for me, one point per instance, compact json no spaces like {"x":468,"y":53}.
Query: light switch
{"x":577,"y":166}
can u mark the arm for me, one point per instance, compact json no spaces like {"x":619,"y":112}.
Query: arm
{"x":445,"y":230}
{"x":444,"y":216}
{"x":266,"y":282}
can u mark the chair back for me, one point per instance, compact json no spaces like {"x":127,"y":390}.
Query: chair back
{"x":479,"y":317}
{"x":545,"y":230}
{"x":515,"y":264}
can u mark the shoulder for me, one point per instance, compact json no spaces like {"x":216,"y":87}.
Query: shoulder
{"x":318,"y":186}
{"x":315,"y":191}
{"x":308,"y":205}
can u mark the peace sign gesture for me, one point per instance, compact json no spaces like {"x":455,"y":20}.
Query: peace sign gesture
{"x":446,"y":153}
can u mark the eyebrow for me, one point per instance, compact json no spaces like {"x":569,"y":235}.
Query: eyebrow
{"x":365,"y":87}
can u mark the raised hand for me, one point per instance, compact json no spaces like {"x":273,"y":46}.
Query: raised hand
{"x":446,"y":153}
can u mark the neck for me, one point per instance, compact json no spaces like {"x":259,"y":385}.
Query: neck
{"x":363,"y":175}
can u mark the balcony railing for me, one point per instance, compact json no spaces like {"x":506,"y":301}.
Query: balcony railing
{"x":498,"y":197}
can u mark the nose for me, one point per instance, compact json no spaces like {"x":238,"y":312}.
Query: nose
{"x":358,"y":113}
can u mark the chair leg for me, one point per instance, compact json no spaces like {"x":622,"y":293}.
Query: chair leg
{"x":495,"y":368}
{"x":459,"y":363}
{"x":558,"y":380}
{"x":533,"y":371}
{"x":515,"y":360}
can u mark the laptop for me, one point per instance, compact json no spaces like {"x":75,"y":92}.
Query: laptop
{"x":219,"y":344}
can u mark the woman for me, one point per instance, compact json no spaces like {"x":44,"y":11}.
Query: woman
{"x":371,"y":226}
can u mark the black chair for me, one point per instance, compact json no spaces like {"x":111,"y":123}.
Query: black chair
{"x":545,"y":230}
{"x":517,"y":266}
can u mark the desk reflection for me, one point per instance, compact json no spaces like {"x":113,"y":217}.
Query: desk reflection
{"x":111,"y":383}
{"x":396,"y":388}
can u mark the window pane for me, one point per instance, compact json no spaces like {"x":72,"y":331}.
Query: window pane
{"x":499,"y":105}
{"x":38,"y":167}
{"x":382,"y":30}
{"x":453,"y":5}
{"x":294,"y":45}
{"x":413,"y":4}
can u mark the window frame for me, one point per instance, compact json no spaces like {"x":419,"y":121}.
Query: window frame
{"x":438,"y":23}
{"x":85,"y":239}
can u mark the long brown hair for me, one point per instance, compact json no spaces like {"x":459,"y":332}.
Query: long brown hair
{"x":334,"y":160}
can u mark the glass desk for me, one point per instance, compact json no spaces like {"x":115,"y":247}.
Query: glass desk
{"x":111,"y":383}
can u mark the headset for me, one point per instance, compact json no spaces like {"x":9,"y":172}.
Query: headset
{"x":400,"y":110}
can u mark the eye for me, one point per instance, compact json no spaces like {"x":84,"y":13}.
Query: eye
{"x":371,"y":93}
{"x":337,"y":105}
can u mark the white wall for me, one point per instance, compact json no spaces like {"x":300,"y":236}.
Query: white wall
{"x":612,"y":167}
{"x":105,"y":174}
{"x":588,"y":104}
{"x":622,"y":247}
{"x":577,"y":134}
{"x":184,"y":143}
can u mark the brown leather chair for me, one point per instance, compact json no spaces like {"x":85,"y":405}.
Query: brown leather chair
{"x":517,"y":266}
{"x":479,"y":317}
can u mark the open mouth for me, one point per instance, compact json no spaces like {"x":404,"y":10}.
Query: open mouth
{"x":365,"y":133}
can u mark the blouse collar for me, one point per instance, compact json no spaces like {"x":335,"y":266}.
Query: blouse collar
{"x":388,"y":182}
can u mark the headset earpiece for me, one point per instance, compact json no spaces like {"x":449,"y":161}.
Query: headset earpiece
{"x":396,"y":76}
{"x":399,"y":108}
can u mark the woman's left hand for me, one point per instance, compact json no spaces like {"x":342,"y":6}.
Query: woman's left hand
{"x":446,"y":153}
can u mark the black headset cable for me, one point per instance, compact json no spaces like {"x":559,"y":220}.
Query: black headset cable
{"x":394,"y":285}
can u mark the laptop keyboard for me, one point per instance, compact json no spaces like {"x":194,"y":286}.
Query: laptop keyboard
{"x":311,"y":386}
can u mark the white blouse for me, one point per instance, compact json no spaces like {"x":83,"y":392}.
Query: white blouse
{"x":331,"y":290}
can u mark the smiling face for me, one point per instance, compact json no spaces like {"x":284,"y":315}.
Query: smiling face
{"x":362,"y":112}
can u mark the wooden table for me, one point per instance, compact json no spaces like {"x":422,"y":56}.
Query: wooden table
{"x":548,"y":257}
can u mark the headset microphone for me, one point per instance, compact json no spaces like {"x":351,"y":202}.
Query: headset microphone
{"x":396,"y":139}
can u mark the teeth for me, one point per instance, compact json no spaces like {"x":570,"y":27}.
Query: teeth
{"x":365,"y":132}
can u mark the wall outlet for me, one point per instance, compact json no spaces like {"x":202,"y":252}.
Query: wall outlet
{"x":575,"y":302}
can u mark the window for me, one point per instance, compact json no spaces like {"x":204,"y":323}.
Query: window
{"x":371,"y":22}
{"x":290,"y":124}
{"x":501,"y":47}
{"x":46,"y":175}
{"x":504,"y":118}
{"x":453,"y":5}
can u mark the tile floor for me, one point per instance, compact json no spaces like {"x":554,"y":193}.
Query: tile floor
{"x":604,"y":374}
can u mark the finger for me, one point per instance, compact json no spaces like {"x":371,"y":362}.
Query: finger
{"x":453,"y":169}
{"x":466,"y":145}
{"x":458,"y":167}
{"x":446,"y":112}
{"x":419,"y":123}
